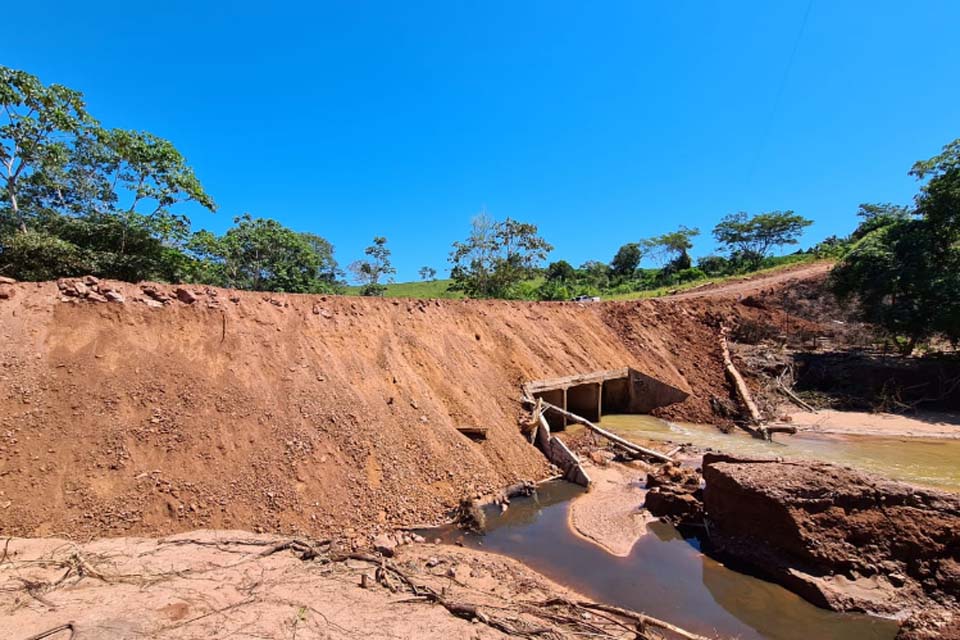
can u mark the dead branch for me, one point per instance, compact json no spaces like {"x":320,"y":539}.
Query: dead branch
{"x":49,"y":632}
{"x":640,"y":619}
{"x":790,"y":394}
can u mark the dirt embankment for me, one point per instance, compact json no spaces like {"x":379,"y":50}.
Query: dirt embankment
{"x":844,"y":540}
{"x":183,"y":408}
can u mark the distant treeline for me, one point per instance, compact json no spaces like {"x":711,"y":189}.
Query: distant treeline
{"x":77,"y":198}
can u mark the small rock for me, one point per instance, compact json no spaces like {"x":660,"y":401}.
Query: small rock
{"x":6,"y":293}
{"x":90,"y":281}
{"x":6,"y":280}
{"x":93,"y":296}
{"x":385,"y":545}
{"x":185,"y":296}
{"x":113,"y":296}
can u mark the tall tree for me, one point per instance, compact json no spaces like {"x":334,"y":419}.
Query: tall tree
{"x":375,"y":266}
{"x":673,"y":247}
{"x":904,"y":268}
{"x":750,"y":238}
{"x":627,"y":259}
{"x":77,"y":198}
{"x":36,"y":140}
{"x":496,"y":257}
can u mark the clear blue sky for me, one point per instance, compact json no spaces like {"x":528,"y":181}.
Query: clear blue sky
{"x":600,"y":122}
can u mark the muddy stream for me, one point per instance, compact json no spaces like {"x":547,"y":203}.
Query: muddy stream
{"x":666,"y":575}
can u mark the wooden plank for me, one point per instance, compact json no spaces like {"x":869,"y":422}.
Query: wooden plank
{"x":474,"y":433}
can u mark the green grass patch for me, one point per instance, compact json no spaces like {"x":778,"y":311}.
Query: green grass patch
{"x":419,"y":289}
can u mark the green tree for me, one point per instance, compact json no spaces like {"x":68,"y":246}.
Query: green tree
{"x":875,"y":216}
{"x":673,"y":247}
{"x":262,"y":255}
{"x":496,"y":257}
{"x":750,"y":238}
{"x":428,"y":273}
{"x":374,"y":267}
{"x":42,"y":124}
{"x":560,"y":271}
{"x":594,"y":274}
{"x":904,"y":270}
{"x":94,"y":200}
{"x":627,"y":259}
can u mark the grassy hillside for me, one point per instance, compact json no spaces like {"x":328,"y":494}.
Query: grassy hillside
{"x":419,"y":289}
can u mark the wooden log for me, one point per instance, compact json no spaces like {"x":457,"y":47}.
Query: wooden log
{"x":626,"y":444}
{"x":740,"y":386}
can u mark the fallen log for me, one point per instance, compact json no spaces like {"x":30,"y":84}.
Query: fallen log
{"x":740,"y":386}
{"x":626,"y":444}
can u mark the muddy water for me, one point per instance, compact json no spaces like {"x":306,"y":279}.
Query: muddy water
{"x":664,"y":576}
{"x":934,"y":463}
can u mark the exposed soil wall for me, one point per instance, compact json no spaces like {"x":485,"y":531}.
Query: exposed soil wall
{"x":213,"y":408}
{"x":842,"y":539}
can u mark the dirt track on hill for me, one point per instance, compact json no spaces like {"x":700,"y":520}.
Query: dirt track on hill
{"x":295,"y":413}
{"x":754,"y":284}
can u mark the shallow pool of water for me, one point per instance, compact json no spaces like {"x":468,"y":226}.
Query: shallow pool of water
{"x":664,"y":576}
{"x":934,"y":463}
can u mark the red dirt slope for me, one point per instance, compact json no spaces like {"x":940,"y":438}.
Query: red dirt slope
{"x":288,"y":413}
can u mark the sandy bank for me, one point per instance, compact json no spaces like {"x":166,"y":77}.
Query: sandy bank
{"x":922,"y":424}
{"x":610,"y":514}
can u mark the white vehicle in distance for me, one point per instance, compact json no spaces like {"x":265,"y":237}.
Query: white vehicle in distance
{"x":585,"y":298}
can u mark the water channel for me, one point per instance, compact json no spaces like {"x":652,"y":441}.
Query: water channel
{"x":666,"y":575}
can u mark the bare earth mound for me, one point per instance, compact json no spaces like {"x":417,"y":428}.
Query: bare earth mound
{"x":184,"y":408}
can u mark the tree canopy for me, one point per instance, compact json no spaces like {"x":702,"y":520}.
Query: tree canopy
{"x":496,"y":257}
{"x":262,"y":255}
{"x":904,"y":268}
{"x":375,"y":266}
{"x":750,"y":238}
{"x":78,"y":198}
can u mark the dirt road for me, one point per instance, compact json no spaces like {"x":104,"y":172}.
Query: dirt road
{"x":753,"y":284}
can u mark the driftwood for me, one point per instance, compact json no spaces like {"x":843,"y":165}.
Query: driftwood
{"x":49,"y":632}
{"x":754,"y":424}
{"x":739,"y":384}
{"x":791,"y":395}
{"x":626,"y":444}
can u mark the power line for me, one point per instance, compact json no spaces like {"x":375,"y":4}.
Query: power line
{"x":780,"y":90}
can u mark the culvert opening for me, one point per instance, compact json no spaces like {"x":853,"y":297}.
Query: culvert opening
{"x":592,"y":395}
{"x":585,"y":398}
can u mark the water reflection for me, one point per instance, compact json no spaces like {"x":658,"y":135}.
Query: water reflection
{"x":664,"y":576}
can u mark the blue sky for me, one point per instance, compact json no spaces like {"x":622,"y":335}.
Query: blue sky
{"x":600,"y":122}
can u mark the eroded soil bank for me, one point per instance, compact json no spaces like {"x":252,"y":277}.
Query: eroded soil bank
{"x":843,"y":539}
